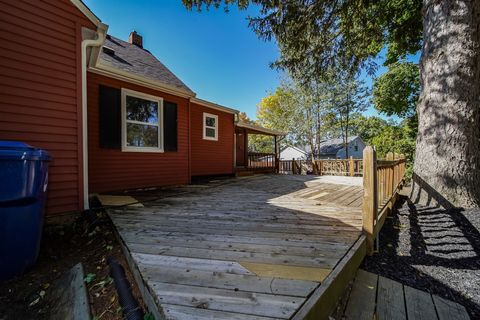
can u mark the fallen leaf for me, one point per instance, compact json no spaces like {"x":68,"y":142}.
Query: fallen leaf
{"x":34,"y":302}
{"x":89,"y":277}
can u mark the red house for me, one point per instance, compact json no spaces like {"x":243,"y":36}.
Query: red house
{"x":112,"y":115}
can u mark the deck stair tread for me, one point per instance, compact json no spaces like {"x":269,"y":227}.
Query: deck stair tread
{"x":376,"y":297}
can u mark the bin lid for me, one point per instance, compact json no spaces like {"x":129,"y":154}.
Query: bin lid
{"x":16,"y":150}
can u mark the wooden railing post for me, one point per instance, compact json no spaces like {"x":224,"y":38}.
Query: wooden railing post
{"x":370,"y":200}
{"x":351,"y":167}
{"x":293,"y":166}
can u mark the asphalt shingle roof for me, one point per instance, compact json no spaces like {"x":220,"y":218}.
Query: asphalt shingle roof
{"x":332,"y":146}
{"x":139,"y":61}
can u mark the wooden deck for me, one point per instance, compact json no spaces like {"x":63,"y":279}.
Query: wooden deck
{"x":376,"y":297}
{"x":256,"y":247}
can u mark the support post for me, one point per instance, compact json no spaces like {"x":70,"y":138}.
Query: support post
{"x":351,"y":167}
{"x":245,"y":137}
{"x":370,"y":200}
{"x":277,"y":156}
{"x":293,"y":166}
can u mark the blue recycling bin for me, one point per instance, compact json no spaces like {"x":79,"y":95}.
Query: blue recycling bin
{"x":23,"y":189}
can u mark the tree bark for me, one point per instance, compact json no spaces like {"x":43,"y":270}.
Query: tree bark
{"x":447,"y":160}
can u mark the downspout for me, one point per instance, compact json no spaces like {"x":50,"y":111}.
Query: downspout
{"x":101,"y":33}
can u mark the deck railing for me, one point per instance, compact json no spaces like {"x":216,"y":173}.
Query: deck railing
{"x":261,"y":161}
{"x":382,"y":181}
{"x":332,"y":167}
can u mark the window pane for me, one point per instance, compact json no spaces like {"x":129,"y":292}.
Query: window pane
{"x":210,"y":122}
{"x":210,"y":132}
{"x":142,"y":135}
{"x":142,"y":110}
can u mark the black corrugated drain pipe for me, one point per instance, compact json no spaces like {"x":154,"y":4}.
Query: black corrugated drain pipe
{"x":130,"y":306}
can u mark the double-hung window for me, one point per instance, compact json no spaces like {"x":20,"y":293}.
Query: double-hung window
{"x":141,"y":122}
{"x":210,"y":126}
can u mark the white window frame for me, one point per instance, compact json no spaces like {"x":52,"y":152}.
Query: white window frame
{"x":141,"y":95}
{"x":209,"y":115}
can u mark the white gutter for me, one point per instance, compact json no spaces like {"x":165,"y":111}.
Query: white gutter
{"x":101,"y":33}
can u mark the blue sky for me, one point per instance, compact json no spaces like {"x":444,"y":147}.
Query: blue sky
{"x":213,"y":52}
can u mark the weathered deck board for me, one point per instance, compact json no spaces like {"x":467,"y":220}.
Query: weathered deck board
{"x":450,"y":310}
{"x":251,"y":248}
{"x":362,"y":297}
{"x":392,"y":300}
{"x":419,"y":304}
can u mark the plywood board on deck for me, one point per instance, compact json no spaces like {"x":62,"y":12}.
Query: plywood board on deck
{"x":286,"y":271}
{"x":109,"y":200}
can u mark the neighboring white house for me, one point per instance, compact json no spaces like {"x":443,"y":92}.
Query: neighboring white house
{"x":335,"y":148}
{"x":329,"y":149}
{"x":292,"y":152}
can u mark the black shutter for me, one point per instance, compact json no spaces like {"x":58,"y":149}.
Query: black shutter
{"x":110,"y":118}
{"x":169,"y":126}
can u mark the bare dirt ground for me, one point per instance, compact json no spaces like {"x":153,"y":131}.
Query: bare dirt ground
{"x":26,"y":297}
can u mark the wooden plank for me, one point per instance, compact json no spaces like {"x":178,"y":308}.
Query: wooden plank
{"x":286,"y":272}
{"x":419,"y":304}
{"x":192,"y":263}
{"x":325,"y":235}
{"x":226,"y":300}
{"x":109,"y":200}
{"x":449,"y":310}
{"x":220,"y":280}
{"x":322,"y":262}
{"x":248,"y":226}
{"x":177,"y":312}
{"x":370,"y":201}
{"x":324,"y":299}
{"x":390,"y":300}
{"x":319,"y":218}
{"x":361,"y":303}
{"x":320,"y":250}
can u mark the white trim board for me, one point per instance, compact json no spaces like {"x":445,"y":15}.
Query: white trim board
{"x":141,"y":95}
{"x":204,"y":126}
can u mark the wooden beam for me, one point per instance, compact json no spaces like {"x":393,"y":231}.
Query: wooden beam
{"x":324,"y":299}
{"x":245,"y":137}
{"x":370,"y":200}
{"x":351,"y":167}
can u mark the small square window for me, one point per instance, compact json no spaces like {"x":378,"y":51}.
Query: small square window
{"x":210,"y":126}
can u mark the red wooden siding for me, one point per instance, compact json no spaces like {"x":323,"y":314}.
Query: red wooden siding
{"x":112,"y":169}
{"x":211,"y":157}
{"x":40,"y":89}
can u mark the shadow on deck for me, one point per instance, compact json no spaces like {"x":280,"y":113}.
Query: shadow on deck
{"x":260,"y":247}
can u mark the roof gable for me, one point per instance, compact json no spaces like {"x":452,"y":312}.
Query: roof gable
{"x":130,"y":58}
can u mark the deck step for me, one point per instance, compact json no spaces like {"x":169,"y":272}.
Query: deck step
{"x":377,"y":297}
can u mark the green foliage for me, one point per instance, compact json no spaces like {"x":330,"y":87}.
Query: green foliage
{"x":317,"y":36}
{"x":396,"y":91}
{"x":367,"y":127}
{"x":89,"y":277}
{"x":148,"y":316}
{"x":397,"y":139}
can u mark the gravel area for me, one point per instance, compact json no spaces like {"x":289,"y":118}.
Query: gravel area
{"x":433,"y":250}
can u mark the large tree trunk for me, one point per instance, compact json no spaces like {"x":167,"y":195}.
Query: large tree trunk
{"x":447,"y":162}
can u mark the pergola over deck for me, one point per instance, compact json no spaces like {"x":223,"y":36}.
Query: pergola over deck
{"x":255,"y":161}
